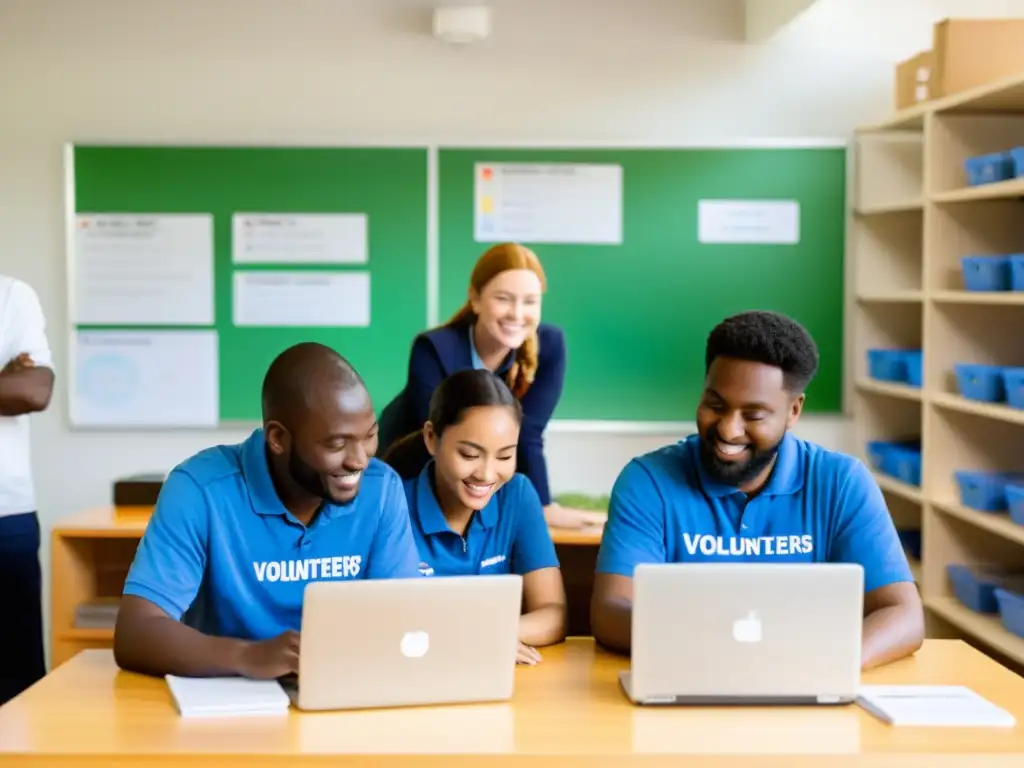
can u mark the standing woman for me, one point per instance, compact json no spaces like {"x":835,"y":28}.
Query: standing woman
{"x":497,"y":329}
{"x":472,"y":514}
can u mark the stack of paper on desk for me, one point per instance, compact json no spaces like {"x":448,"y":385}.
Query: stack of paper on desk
{"x":927,"y":705}
{"x":227,"y":696}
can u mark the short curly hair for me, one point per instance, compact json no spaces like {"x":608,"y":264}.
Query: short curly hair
{"x":770,"y":338}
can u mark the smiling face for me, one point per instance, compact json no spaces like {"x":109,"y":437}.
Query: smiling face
{"x":326,"y":452}
{"x":743,"y":415}
{"x":508,"y":306}
{"x":474,"y":457}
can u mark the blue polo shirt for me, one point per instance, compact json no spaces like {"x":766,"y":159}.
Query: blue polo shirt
{"x":220,"y":533}
{"x":817,"y":506}
{"x":509,"y":535}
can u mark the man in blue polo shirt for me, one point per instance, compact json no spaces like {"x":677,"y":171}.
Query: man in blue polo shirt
{"x":744,"y":489}
{"x":239,"y":530}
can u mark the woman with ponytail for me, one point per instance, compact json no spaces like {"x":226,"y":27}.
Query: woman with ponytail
{"x":497,"y":329}
{"x":472,"y":514}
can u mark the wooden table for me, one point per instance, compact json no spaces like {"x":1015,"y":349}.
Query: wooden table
{"x":568,"y":711}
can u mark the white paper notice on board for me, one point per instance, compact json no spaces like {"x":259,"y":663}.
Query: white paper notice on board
{"x":143,"y":269}
{"x":764,"y":222}
{"x":293,"y":238}
{"x":268,"y":298}
{"x":145,"y":379}
{"x":548,"y":203}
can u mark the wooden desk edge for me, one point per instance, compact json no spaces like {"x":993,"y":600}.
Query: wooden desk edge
{"x":130,"y":522}
{"x":586,"y":756}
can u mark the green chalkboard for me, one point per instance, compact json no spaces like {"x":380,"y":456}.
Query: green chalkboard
{"x":389,"y":185}
{"x":636,"y":315}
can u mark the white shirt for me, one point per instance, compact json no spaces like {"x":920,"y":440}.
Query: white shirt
{"x":22,"y":329}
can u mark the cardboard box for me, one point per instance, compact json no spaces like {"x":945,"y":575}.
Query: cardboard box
{"x":972,"y":52}
{"x":913,"y":80}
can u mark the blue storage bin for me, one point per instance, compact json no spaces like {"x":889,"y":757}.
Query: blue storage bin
{"x":911,"y":541}
{"x":1017,"y":158}
{"x":985,"y":169}
{"x":1011,"y":610}
{"x":914,"y":360}
{"x":1013,"y":385}
{"x":904,"y":464}
{"x":975,"y":586}
{"x":1015,"y":502}
{"x":887,"y":365}
{"x":981,"y":382}
{"x":986,"y":491}
{"x":986,"y":273}
{"x":879,"y":452}
{"x":1017,"y":272}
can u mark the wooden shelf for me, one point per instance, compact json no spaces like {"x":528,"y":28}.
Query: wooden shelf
{"x":90,"y":554}
{"x":1010,"y":298}
{"x":105,"y":635}
{"x":989,"y":410}
{"x":892,"y":297}
{"x":910,"y":119}
{"x":1005,"y":95}
{"x":984,"y":627}
{"x":899,"y":488}
{"x":890,"y":389}
{"x":998,"y":523}
{"x":887,"y":209}
{"x":1003,"y":190}
{"x":892,"y":261}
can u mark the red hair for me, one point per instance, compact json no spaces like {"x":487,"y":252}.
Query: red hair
{"x":497,"y":259}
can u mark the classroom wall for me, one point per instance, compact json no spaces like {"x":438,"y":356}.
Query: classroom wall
{"x":336,"y":71}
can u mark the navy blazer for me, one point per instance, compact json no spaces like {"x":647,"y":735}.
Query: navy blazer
{"x":438,"y":353}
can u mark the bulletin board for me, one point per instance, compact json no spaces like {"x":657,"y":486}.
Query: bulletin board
{"x":638,"y":275}
{"x":191,"y":268}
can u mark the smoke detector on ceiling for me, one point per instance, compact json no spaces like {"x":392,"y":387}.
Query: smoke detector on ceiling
{"x":462,"y":24}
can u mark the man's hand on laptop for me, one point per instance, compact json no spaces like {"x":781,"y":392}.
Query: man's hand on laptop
{"x":270,"y":659}
{"x":527,"y":655}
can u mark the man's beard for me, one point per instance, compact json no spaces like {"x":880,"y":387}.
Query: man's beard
{"x":308,"y":479}
{"x":735,"y":473}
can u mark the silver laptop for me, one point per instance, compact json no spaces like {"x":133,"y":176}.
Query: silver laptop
{"x":746,"y":633}
{"x":396,"y":642}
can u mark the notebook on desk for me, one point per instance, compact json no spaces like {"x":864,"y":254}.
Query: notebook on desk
{"x":943,"y":706}
{"x":227,"y":696}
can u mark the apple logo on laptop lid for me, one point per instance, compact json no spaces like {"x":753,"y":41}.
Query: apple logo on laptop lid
{"x":747,"y":629}
{"x":415,"y":645}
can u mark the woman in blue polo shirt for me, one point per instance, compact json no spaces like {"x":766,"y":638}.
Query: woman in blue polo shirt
{"x":471,"y":512}
{"x":499,"y":330}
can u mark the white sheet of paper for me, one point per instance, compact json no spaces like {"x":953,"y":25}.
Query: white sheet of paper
{"x":291,"y":238}
{"x":143,"y":269}
{"x":227,"y":696}
{"x":304,"y":299}
{"x":145,"y":379}
{"x":548,"y":203}
{"x":764,"y":222}
{"x":932,"y":705}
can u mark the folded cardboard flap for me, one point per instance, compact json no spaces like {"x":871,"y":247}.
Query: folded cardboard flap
{"x":913,"y":80}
